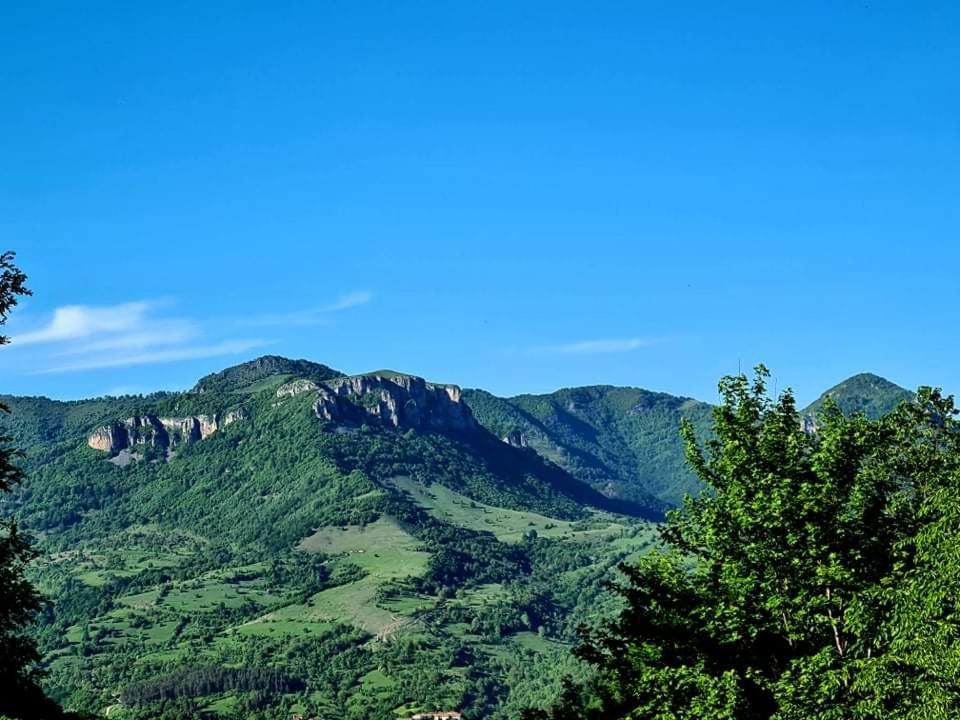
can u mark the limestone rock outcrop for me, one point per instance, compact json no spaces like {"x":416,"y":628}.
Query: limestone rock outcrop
{"x":515,"y":438}
{"x":162,"y":432}
{"x":398,"y":401}
{"x":296,"y":387}
{"x":109,"y":438}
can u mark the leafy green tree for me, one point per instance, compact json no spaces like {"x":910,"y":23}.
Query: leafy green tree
{"x":20,"y":695}
{"x":918,"y":677}
{"x":815,"y":578}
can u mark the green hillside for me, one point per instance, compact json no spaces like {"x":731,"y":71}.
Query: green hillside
{"x":623,"y":441}
{"x":870,"y":394}
{"x":282,"y":562}
{"x":246,"y":376}
{"x":284,"y":539}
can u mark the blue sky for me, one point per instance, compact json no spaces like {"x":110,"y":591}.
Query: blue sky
{"x":517,"y":196}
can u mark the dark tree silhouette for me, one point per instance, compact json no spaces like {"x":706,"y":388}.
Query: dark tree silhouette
{"x":20,"y":693}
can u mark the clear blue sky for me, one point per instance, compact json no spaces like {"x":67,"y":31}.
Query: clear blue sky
{"x":518,"y":196}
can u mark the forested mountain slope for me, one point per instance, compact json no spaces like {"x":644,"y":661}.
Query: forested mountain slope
{"x":623,"y":441}
{"x":870,"y":394}
{"x":241,"y":547}
{"x":286,"y":538}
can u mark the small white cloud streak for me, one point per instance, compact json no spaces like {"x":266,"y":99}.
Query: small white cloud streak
{"x":76,"y":322}
{"x":593,"y":347}
{"x":161,"y":334}
{"x":311,"y":316}
{"x":228,"y":347}
{"x":345,"y":302}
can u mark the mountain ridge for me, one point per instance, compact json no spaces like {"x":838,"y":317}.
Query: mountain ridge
{"x":235,"y":377}
{"x":620,"y":440}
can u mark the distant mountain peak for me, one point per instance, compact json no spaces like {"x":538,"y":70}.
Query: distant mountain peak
{"x":866,"y":392}
{"x":869,"y":377}
{"x":237,"y":377}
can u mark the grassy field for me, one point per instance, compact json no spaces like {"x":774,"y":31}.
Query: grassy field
{"x":268,"y":383}
{"x":275,"y":626}
{"x":354,"y":603}
{"x":384,"y":550}
{"x":507,"y":525}
{"x":96,"y":569}
{"x":483,"y":595}
{"x":533,"y":641}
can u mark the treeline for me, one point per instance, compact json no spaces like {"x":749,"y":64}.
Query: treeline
{"x":199,"y":682}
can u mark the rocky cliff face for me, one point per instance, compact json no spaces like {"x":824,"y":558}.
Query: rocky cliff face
{"x":399,"y":401}
{"x":515,"y":438}
{"x":162,"y":432}
{"x":109,"y":438}
{"x":296,"y":387}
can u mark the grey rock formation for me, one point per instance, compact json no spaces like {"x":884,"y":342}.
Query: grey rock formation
{"x":515,"y":438}
{"x":162,"y":432}
{"x":399,"y":401}
{"x":297,"y":387}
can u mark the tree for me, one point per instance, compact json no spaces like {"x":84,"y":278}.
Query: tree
{"x":20,"y":694}
{"x":12,"y":287}
{"x":919,"y":675}
{"x":814,"y":578}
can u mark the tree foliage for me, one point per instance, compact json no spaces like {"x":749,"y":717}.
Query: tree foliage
{"x":19,"y":601}
{"x":197,"y":682}
{"x":814,"y":579}
{"x":12,"y":287}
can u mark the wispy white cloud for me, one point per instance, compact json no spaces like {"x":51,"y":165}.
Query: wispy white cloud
{"x":345,"y":302}
{"x":74,"y":322}
{"x":311,"y":316}
{"x":89,"y":337}
{"x":75,"y":338}
{"x":228,"y":347}
{"x":160,"y":333}
{"x":592,"y":347}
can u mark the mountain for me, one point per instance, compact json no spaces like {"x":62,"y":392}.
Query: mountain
{"x":867,"y":393}
{"x":622,"y":441}
{"x":245,"y":376}
{"x":285,"y":538}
